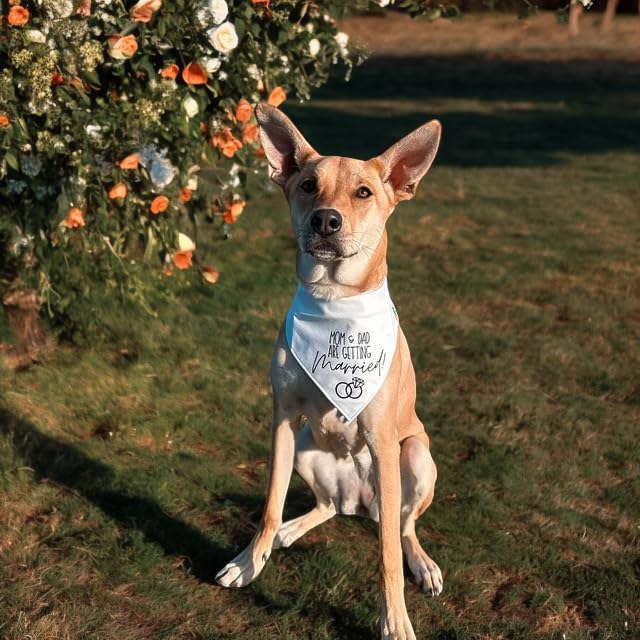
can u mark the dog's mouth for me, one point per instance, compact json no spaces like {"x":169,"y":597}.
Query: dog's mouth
{"x":326,"y":251}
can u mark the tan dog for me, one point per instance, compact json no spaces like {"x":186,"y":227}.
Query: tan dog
{"x":378,"y":462}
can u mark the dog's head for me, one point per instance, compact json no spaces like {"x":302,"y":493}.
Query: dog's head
{"x":339,"y":206}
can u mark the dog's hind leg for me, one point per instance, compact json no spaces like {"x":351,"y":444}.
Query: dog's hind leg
{"x":418,"y":473}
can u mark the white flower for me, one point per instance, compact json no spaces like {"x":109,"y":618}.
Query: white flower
{"x":314,"y":47}
{"x":33,"y":35}
{"x":190,"y":106}
{"x":192,"y":183}
{"x":211,"y":65}
{"x":185,"y":243}
{"x":342,"y":39}
{"x":93,"y":132}
{"x":223,"y":38}
{"x":253,"y":72}
{"x":383,"y":3}
{"x":219,"y":10}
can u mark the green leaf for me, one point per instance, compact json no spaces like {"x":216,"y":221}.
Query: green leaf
{"x":12,"y":161}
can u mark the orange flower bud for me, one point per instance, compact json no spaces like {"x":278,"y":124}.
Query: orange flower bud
{"x":234,"y":211}
{"x":194,"y":74}
{"x":250,"y":133}
{"x":277,"y":97}
{"x":18,"y":16}
{"x":4,"y":120}
{"x":143,"y":10}
{"x":226,"y":141}
{"x":130,"y":162}
{"x":243,"y":111}
{"x":210,"y":275}
{"x":122,"y":47}
{"x":159,"y":204}
{"x":74,"y":218}
{"x":170,"y":72}
{"x":182,"y":259}
{"x":118,"y":191}
{"x":185,"y":194}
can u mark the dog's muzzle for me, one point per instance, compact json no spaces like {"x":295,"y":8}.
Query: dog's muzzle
{"x":326,"y":222}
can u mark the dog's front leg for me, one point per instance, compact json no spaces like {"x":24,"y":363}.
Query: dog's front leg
{"x":246,"y":566}
{"x":385,"y":452}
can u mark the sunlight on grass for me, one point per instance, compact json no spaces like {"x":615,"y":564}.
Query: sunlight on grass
{"x":132,"y":469}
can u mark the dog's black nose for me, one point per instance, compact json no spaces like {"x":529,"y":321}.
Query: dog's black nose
{"x":326,"y":221}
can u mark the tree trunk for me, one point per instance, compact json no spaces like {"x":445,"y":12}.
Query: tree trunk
{"x":575,"y":11}
{"x":22,"y":309}
{"x":609,"y":14}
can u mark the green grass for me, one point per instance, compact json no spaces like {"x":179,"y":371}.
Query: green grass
{"x":133,"y":470}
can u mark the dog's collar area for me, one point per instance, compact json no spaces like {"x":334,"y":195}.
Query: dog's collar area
{"x":345,"y":345}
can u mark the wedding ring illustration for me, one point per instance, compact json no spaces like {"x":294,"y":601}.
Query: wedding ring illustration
{"x":351,"y":389}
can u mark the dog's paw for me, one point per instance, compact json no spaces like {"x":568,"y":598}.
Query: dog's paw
{"x":428,"y":576}
{"x":396,"y":627}
{"x":243,"y":569}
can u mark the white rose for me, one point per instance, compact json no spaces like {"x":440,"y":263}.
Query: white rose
{"x":94,"y":131}
{"x":223,"y":38}
{"x":219,"y":10}
{"x":190,"y":106}
{"x":342,"y":39}
{"x":211,"y":65}
{"x":33,"y":35}
{"x":314,"y":47}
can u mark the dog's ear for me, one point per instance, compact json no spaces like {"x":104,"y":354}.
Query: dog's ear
{"x":285,"y":147}
{"x":406,"y":162}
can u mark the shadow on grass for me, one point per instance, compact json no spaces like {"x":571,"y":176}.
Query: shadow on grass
{"x":531,"y":111}
{"x":67,"y":466}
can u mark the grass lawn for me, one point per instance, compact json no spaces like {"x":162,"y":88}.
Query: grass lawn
{"x":131,"y":471}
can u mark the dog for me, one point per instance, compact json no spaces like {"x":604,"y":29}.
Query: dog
{"x":344,"y":387}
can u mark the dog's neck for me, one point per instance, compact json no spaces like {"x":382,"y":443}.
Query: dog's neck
{"x":332,"y":280}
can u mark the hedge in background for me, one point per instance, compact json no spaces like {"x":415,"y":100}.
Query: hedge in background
{"x":108,"y":111}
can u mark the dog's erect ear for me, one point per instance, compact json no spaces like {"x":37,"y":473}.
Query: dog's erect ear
{"x":406,"y":162}
{"x":285,"y":147}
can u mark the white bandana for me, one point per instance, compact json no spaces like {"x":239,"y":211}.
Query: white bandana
{"x":345,"y":346}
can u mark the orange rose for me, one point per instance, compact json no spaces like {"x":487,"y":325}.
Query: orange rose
{"x":143,"y":10}
{"x":122,"y":47}
{"x":234,"y":211}
{"x":4,"y":120}
{"x":260,"y":153}
{"x":119,"y":191}
{"x":18,"y":16}
{"x":194,"y":74}
{"x":130,"y":162}
{"x":84,"y":9}
{"x":182,"y":259}
{"x":243,"y":111}
{"x":74,"y":218}
{"x":226,"y":141}
{"x":159,"y":204}
{"x":170,"y":72}
{"x":250,"y":133}
{"x":185,"y":194}
{"x":210,"y":275}
{"x":277,"y":97}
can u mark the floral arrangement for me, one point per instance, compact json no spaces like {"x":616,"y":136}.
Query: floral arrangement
{"x":110,"y":111}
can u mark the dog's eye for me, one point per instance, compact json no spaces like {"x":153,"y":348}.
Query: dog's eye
{"x":309,"y":185}
{"x":364,"y":192}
